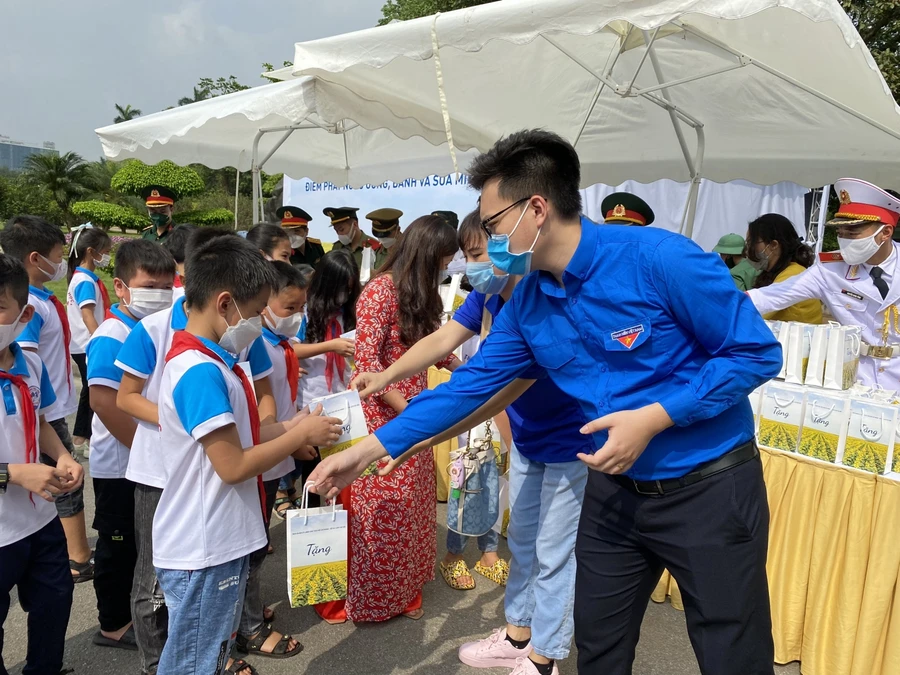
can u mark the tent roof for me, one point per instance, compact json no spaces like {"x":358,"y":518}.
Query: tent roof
{"x":783,"y":89}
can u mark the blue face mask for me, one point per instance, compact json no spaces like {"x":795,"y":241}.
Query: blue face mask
{"x":506,"y":260}
{"x":481,"y":276}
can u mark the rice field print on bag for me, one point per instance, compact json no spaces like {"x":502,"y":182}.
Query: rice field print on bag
{"x":824,"y":426}
{"x":781,"y":417}
{"x":870,"y":436}
{"x":313,"y":584}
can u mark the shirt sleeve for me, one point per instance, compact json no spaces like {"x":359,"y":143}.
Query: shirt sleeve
{"x":258,"y":357}
{"x":743,"y":352}
{"x":85,"y":293}
{"x":301,"y":334}
{"x":805,"y":286}
{"x":470,"y":312}
{"x":31,"y":336}
{"x":48,"y":396}
{"x":101,"y":362}
{"x":503,"y":357}
{"x":138,"y":353}
{"x":201,"y":415}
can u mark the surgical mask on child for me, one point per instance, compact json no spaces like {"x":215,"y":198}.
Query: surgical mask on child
{"x":481,"y":276}
{"x":59,"y":269}
{"x":286,"y":326}
{"x":506,"y":260}
{"x":147,"y":301}
{"x":104,"y":260}
{"x":241,"y":335}
{"x":858,"y":251}
{"x":9,"y":332}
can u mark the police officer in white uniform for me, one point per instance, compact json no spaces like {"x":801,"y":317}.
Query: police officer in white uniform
{"x":860,"y":285}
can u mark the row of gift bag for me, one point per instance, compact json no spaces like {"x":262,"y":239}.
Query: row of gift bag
{"x":841,"y":428}
{"x":824,"y":355}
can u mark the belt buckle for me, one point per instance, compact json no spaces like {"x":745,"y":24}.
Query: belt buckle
{"x":659,"y":490}
{"x":883,"y":352}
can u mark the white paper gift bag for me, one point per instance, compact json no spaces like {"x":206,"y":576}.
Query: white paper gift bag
{"x":824,"y":429}
{"x":503,"y":521}
{"x":366,"y":265}
{"x":781,"y":416}
{"x":345,"y":406}
{"x":316,"y":554}
{"x":818,"y":348}
{"x":870,"y":436}
{"x":842,"y":358}
{"x":782,"y":334}
{"x":756,"y":403}
{"x":796,"y":360}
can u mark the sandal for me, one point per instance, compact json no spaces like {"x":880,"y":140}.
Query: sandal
{"x":240,"y":666}
{"x":287,"y":503}
{"x":255,"y":644}
{"x":415,"y":615}
{"x":85,"y":570}
{"x":127,"y":641}
{"x":498,"y":572}
{"x":452,"y":573}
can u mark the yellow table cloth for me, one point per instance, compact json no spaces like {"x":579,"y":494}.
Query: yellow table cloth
{"x":442,"y":451}
{"x":834,"y":567}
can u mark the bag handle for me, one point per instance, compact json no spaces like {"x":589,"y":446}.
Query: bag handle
{"x":812,"y":410}
{"x":304,"y":503}
{"x":779,"y":403}
{"x":878,"y":435}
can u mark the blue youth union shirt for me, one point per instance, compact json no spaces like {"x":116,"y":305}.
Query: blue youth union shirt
{"x":544,"y":421}
{"x":643,"y":316}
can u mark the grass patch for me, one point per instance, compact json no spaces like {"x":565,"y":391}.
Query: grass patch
{"x":60,"y":288}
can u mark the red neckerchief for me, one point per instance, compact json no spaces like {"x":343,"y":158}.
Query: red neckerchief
{"x":292,"y":364}
{"x":104,"y":296}
{"x":29,"y":419}
{"x":178,"y":281}
{"x":333,"y":360}
{"x":183,"y":342}
{"x":109,"y":315}
{"x":67,"y":334}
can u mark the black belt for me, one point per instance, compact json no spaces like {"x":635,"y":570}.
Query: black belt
{"x":740,"y":455}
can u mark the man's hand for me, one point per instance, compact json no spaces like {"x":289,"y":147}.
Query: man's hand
{"x":369,"y":384}
{"x":629,"y":433}
{"x":44,"y":481}
{"x":318,"y":429}
{"x":336,"y":472}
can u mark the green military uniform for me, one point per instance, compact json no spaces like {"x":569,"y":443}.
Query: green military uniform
{"x":385,"y":221}
{"x":295,"y":221}
{"x":367,"y":242}
{"x":344,"y":213}
{"x":624,"y":208}
{"x":152,"y":234}
{"x":155,"y":196}
{"x":743,"y":273}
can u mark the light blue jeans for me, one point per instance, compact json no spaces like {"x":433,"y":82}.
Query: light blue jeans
{"x":204,"y":613}
{"x":487,"y":543}
{"x":545,"y":504}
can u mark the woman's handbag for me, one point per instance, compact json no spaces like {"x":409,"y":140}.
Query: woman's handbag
{"x":473,"y":505}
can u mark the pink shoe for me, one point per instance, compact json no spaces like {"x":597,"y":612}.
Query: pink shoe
{"x":525,"y":666}
{"x":493,"y":652}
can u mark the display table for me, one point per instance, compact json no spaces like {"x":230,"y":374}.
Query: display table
{"x":834,"y":567}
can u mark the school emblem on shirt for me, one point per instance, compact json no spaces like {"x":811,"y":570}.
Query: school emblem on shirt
{"x":35,"y":393}
{"x":627,"y":336}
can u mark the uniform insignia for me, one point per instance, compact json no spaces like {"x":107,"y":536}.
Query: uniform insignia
{"x":618,"y":212}
{"x":154,"y":193}
{"x":288,"y":214}
{"x":851,"y":294}
{"x":627,"y":336}
{"x":852,"y":273}
{"x":844,"y":197}
{"x":831,"y":256}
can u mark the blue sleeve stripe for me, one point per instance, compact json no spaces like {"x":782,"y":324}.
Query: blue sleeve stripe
{"x":138,"y":353}
{"x":48,"y":396}
{"x":195,"y":411}
{"x":258,"y":357}
{"x":101,"y":359}
{"x":85,"y":293}
{"x":31,"y":336}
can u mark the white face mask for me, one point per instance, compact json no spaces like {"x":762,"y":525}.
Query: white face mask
{"x":345,"y":239}
{"x":387,"y":242}
{"x":286,"y":326}
{"x":241,"y":335}
{"x":59,"y":269}
{"x":9,"y":332}
{"x":147,"y":301}
{"x":858,"y":251}
{"x":296,"y":240}
{"x":104,"y":260}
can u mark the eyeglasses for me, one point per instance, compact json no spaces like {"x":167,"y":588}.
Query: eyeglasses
{"x":486,"y":223}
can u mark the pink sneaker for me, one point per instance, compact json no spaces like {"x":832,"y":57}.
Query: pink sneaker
{"x":493,"y":652}
{"x":524,"y":666}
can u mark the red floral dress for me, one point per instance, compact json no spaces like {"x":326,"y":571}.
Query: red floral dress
{"x":392,"y":523}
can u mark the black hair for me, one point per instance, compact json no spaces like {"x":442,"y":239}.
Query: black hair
{"x":306,"y":273}
{"x":140,"y":254}
{"x":229,"y":264}
{"x":14,"y":279}
{"x":24,"y":235}
{"x":415,"y":264}
{"x":202,"y":236}
{"x":265,"y":236}
{"x":334,"y":289}
{"x":470,"y":232}
{"x":177,"y":241}
{"x":286,"y":276}
{"x":82,"y":240}
{"x":532,"y":162}
{"x":775,"y":227}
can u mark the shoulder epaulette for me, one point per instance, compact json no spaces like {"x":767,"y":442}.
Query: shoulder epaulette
{"x":146,"y":228}
{"x":831,"y":256}
{"x":314,"y":241}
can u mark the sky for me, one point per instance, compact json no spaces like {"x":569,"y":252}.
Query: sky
{"x":64,"y":65}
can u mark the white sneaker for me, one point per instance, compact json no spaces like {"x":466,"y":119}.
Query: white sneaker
{"x":84,"y":450}
{"x":493,"y":652}
{"x":525,"y":666}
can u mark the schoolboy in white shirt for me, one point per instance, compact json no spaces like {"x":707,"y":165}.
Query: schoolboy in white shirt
{"x":32,"y":542}
{"x":38,"y":245}
{"x":210,"y":515}
{"x":144,"y":274}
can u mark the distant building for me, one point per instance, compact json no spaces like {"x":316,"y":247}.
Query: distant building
{"x":14,"y":153}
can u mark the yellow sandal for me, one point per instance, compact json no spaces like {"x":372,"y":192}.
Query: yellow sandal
{"x":452,"y":573}
{"x":498,"y":572}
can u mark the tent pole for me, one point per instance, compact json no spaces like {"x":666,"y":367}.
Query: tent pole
{"x":823,"y":215}
{"x":640,"y":65}
{"x":254,"y":168}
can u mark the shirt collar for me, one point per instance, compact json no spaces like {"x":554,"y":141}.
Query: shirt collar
{"x":127,"y":320}
{"x":226,"y":356}
{"x":888,"y":265}
{"x":20,"y":366}
{"x":271,"y":336}
{"x":179,"y":315}
{"x":41,"y":293}
{"x":580,"y":264}
{"x":88,"y":272}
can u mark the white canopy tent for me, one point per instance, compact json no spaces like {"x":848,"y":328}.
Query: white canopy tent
{"x":761,"y":90}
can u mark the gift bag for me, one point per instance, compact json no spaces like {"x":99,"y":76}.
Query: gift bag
{"x":870,"y":436}
{"x":366,"y":265}
{"x":756,"y":403}
{"x":502,"y":523}
{"x":345,"y":406}
{"x":842,"y":358}
{"x":818,"y":348}
{"x":782,"y":334}
{"x":316,"y":553}
{"x":824,"y":429}
{"x":781,"y":416}
{"x":796,"y":360}
{"x":473,"y":505}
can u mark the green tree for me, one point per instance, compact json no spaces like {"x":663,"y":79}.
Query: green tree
{"x":268,"y":68}
{"x":878,"y":23}
{"x":200,"y":94}
{"x":64,"y":176}
{"x":206,"y":217}
{"x":126,"y":113}
{"x":404,"y":10}
{"x":18,"y":195}
{"x":134,"y":176}
{"x":219,"y":86}
{"x":105,"y":215}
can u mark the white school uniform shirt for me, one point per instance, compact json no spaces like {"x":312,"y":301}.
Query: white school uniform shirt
{"x":285,"y":408}
{"x":850,"y":296}
{"x":22,"y":513}
{"x":314,"y":385}
{"x":144,"y":355}
{"x":202,"y":521}
{"x":109,"y":457}
{"x":44,"y":333}
{"x":177,"y":293}
{"x":84,"y":291}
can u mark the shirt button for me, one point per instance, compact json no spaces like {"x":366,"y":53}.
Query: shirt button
{"x":602,"y":369}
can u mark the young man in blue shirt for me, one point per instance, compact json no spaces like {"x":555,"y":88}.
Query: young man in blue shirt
{"x":650,"y":336}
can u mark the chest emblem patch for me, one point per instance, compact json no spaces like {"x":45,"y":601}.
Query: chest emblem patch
{"x":627,"y":336}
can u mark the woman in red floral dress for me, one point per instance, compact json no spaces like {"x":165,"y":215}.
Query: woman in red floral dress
{"x":391,"y":518}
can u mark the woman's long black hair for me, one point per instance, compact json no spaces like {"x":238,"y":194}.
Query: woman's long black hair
{"x":775,"y":227}
{"x":415,"y":263}
{"x":82,"y":240}
{"x":334,"y":289}
{"x":265,"y":236}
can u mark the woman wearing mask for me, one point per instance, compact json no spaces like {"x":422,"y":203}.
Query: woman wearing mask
{"x":391,"y":523}
{"x":776,"y":250}
{"x":271,"y":240}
